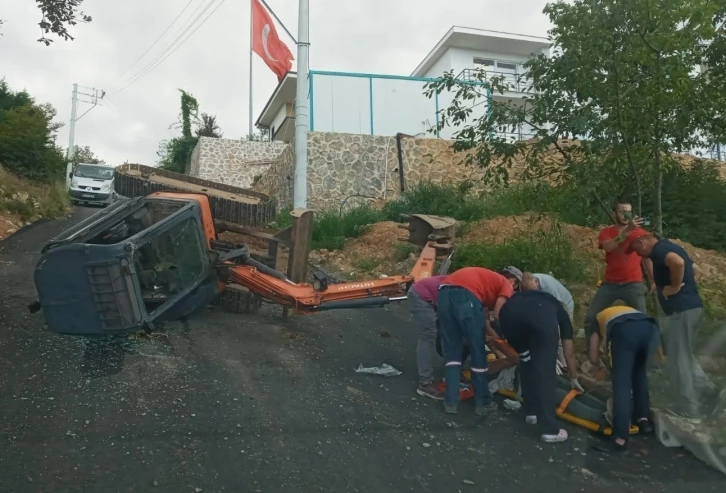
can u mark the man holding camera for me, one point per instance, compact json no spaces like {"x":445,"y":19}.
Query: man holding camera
{"x":623,"y":273}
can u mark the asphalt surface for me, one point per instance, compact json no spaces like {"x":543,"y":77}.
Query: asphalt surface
{"x":262,"y":404}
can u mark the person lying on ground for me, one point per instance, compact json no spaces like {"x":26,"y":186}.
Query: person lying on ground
{"x":422,"y":299}
{"x":623,"y":271}
{"x":676,"y":281}
{"x":631,"y":337}
{"x":465,"y":296}
{"x":533,"y":323}
{"x":548,"y":284}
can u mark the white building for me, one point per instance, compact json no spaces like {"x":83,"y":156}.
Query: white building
{"x":387,"y":104}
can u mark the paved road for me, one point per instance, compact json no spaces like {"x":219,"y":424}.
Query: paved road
{"x":259,"y":404}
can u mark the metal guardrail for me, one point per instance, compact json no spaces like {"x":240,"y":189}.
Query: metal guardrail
{"x":513,"y":82}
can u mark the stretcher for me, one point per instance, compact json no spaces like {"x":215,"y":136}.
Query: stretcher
{"x":580,"y":409}
{"x":585,"y":410}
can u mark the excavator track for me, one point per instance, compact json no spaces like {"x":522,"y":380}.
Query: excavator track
{"x":233,"y":204}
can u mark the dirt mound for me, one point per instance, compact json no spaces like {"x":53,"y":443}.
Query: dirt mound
{"x":374,"y":251}
{"x":370,"y":255}
{"x":507,"y":227}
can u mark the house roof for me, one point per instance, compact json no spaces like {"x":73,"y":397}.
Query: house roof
{"x":283,"y":93}
{"x":482,"y":39}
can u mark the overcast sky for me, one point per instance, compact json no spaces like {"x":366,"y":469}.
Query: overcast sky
{"x":372,"y":36}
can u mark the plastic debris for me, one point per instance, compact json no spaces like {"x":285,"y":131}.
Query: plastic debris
{"x":385,"y":370}
{"x":511,"y":405}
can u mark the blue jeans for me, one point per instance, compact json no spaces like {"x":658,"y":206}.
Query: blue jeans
{"x":461,"y":316}
{"x":631,"y":343}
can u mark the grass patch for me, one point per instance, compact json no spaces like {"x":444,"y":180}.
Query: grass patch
{"x":403,"y":250}
{"x":30,"y":200}
{"x":366,"y":264}
{"x":331,"y":228}
{"x":549,"y":251}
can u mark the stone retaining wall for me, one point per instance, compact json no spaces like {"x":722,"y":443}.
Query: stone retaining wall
{"x":355,"y":168}
{"x":232,"y":162}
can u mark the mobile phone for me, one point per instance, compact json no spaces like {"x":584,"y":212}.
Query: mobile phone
{"x":646,"y":221}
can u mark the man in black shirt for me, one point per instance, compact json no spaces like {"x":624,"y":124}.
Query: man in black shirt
{"x":533,"y":322}
{"x":676,"y":278}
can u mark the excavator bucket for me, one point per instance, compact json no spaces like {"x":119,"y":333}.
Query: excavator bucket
{"x":423,"y":228}
{"x":236,"y":205}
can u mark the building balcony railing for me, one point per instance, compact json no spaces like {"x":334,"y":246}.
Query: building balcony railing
{"x":513,"y":82}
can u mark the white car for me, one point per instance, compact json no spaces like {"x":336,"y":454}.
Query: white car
{"x":92,"y":184}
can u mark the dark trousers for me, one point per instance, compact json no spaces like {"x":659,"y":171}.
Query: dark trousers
{"x":631,"y":343}
{"x":537,"y":343}
{"x":461,"y":317}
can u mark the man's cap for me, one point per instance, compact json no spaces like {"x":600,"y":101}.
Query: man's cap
{"x":514,"y":272}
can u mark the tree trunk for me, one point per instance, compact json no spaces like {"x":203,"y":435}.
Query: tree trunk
{"x":657,"y":204}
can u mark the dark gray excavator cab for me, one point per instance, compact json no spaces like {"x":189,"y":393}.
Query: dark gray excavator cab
{"x":133,"y":264}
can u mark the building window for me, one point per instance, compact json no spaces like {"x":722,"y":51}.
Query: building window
{"x":484,"y":61}
{"x":509,"y":67}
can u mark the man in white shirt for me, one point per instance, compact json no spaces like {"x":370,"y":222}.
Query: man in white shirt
{"x":548,"y":284}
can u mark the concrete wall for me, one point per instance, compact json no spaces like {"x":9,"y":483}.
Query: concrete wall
{"x":232,"y":162}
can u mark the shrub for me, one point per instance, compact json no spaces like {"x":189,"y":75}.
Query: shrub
{"x":431,"y":198}
{"x":549,"y":251}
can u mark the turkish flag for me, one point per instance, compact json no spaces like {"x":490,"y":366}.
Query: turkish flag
{"x":267,"y":44}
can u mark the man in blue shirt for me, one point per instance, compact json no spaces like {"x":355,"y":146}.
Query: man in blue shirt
{"x":676,"y":278}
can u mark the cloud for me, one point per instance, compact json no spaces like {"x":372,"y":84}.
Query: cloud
{"x":373,"y":36}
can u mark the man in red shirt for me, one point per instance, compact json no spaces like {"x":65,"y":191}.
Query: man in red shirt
{"x":623,"y":273}
{"x":463,"y":298}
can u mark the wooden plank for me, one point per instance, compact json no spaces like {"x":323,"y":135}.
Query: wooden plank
{"x":301,"y":235}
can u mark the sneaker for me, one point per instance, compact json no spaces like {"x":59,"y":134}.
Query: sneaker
{"x":451,"y":408}
{"x":485,"y":410}
{"x":645,"y":427}
{"x":429,"y":389}
{"x":560,"y":437}
{"x":531,"y":420}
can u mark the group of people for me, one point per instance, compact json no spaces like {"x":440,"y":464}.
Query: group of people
{"x":533,"y":313}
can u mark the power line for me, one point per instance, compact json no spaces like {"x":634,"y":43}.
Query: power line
{"x":157,"y":39}
{"x":188,"y":23}
{"x":112,"y":106}
{"x":161,"y":58}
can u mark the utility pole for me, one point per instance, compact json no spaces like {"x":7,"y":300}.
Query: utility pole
{"x":302,"y":116}
{"x":95,"y":97}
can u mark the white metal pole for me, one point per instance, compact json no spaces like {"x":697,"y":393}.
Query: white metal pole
{"x":302,"y":115}
{"x":252,"y":34}
{"x":72,"y":135}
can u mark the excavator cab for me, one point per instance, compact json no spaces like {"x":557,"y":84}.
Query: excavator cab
{"x":131,"y":265}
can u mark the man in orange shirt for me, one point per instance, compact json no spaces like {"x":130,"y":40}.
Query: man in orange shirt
{"x":623,"y":273}
{"x":464,"y":297}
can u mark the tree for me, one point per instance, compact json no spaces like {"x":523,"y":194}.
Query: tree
{"x":208,"y":127}
{"x":618,"y":97}
{"x":57,"y":15}
{"x":175,"y":154}
{"x":263,"y":135}
{"x":28,"y":136}
{"x":85,"y":155}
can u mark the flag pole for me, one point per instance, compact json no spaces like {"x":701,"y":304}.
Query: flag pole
{"x":302,"y":118}
{"x":251,"y":132}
